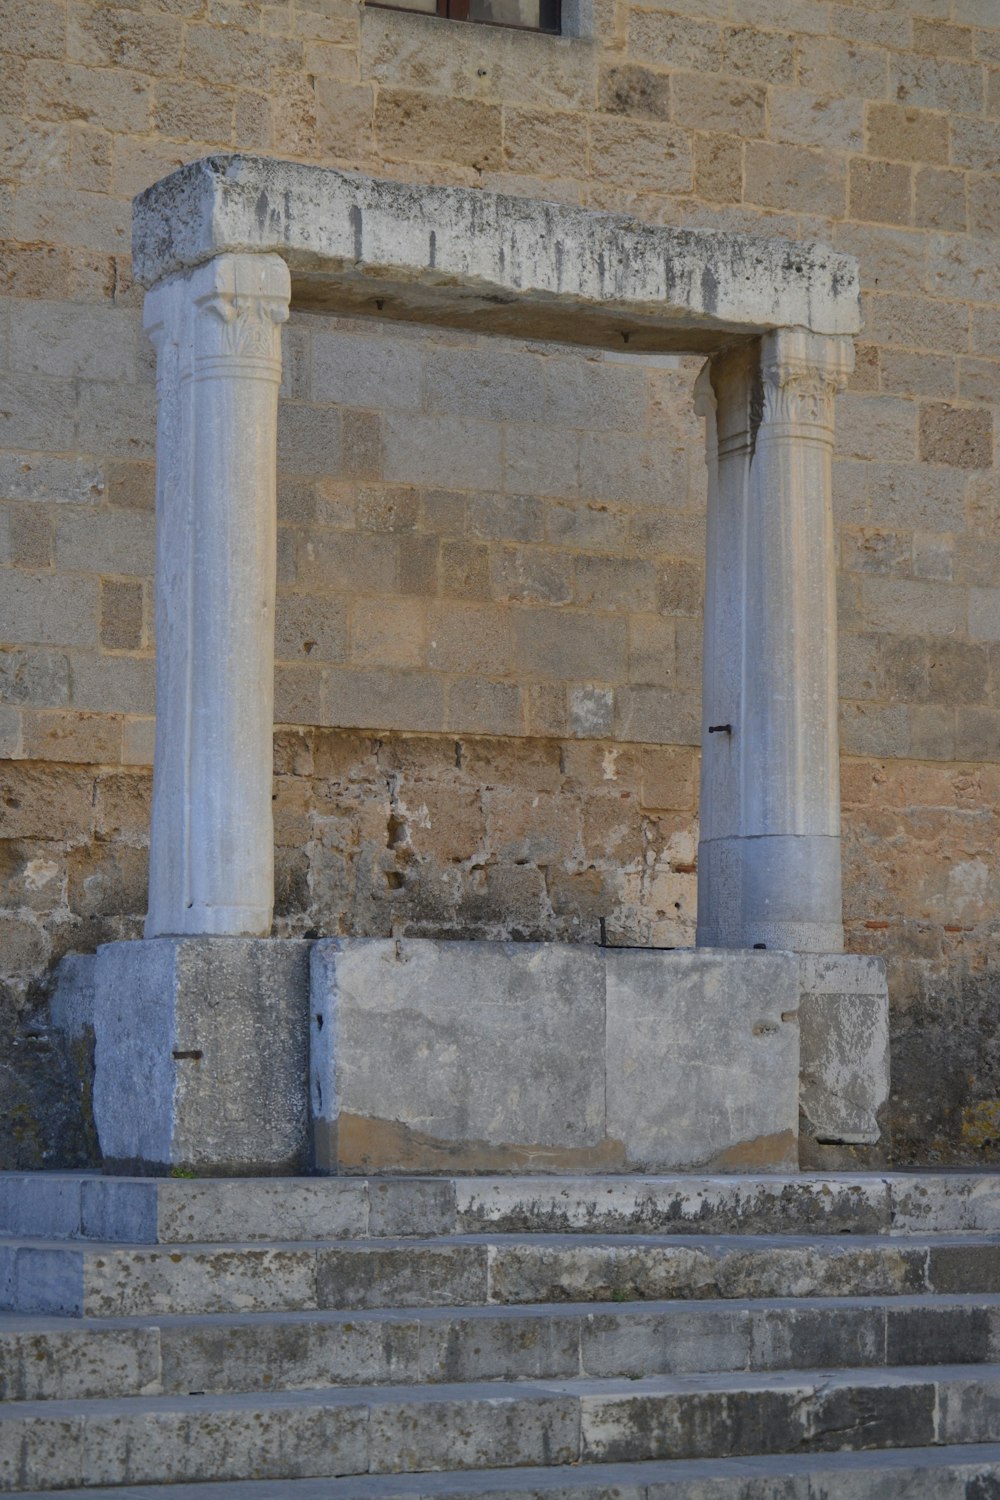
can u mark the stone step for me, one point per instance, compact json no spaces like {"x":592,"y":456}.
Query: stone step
{"x":398,"y":1429}
{"x":59,"y":1359}
{"x":957,"y":1472}
{"x":76,"y":1205}
{"x":97,"y":1280}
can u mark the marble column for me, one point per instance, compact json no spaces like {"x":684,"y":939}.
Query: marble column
{"x":217,"y":334}
{"x":769,"y":859}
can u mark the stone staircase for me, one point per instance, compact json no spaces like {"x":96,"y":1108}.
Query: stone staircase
{"x":737,"y":1338}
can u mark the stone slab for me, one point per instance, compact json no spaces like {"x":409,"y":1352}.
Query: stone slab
{"x":102,"y":1281}
{"x":959,"y":1472}
{"x":456,"y":1055}
{"x":51,"y":1358}
{"x":436,"y":1056}
{"x":202,"y":1055}
{"x":468,"y":258}
{"x":73,"y":1205}
{"x":702,"y":1059}
{"x":844,"y":1027}
{"x":166,"y":1211}
{"x":755,"y":1204}
{"x":476,"y":1426}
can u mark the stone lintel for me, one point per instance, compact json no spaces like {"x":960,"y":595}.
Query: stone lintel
{"x":459,"y":257}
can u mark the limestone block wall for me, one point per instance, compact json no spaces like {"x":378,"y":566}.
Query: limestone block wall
{"x":491,"y":553}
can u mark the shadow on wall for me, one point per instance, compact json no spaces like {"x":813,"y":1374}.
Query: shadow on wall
{"x":46,"y":1077}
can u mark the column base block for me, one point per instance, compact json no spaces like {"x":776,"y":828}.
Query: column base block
{"x":201,"y":1055}
{"x":773,"y":891}
{"x":431,"y":1056}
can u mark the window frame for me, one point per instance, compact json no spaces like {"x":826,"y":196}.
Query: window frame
{"x":458,"y":10}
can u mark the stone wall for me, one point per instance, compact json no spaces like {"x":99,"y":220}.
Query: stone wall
{"x":491,"y":553}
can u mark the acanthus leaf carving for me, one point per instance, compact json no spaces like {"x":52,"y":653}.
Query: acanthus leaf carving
{"x":801,"y":375}
{"x":798,"y":396}
{"x":247,"y":325}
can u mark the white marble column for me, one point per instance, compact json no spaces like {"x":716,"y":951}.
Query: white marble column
{"x":724,"y":396}
{"x":217,"y":334}
{"x":769,"y":861}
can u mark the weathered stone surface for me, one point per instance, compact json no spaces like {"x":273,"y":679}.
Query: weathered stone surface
{"x":45,"y":1358}
{"x":479,"y":1426}
{"x":552,"y":1269}
{"x":948,"y":1201}
{"x":45,"y":1078}
{"x":118,"y":1281}
{"x":914,"y":1474}
{"x":403,"y":1275}
{"x":71,"y":1004}
{"x":411,"y":1206}
{"x":702,"y":1059}
{"x":453,"y":1053}
{"x":519,"y":1362}
{"x":844,"y":1028}
{"x":676,"y":1205}
{"x":46,"y":1204}
{"x":202,"y":1055}
{"x":416,"y":246}
{"x":73,"y":1206}
{"x":432,"y":1056}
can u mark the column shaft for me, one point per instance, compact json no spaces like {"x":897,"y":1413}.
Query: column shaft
{"x":724,"y":396}
{"x":217,"y":336}
{"x":771,"y":847}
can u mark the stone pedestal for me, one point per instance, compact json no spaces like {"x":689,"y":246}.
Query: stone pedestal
{"x":244,"y":1056}
{"x":491,"y":1057}
{"x":202,"y":1056}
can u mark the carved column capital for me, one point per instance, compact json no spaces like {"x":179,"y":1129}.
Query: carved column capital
{"x":239,"y":313}
{"x":801,"y":374}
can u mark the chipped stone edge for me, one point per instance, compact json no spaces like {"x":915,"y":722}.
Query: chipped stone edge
{"x":346,"y":225}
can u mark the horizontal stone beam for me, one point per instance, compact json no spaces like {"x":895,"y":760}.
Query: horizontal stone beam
{"x":463,"y":258}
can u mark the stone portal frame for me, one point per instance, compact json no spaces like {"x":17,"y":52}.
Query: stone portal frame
{"x":225,"y":244}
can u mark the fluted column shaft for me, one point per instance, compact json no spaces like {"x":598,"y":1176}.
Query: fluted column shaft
{"x":217,"y":334}
{"x":769,"y":864}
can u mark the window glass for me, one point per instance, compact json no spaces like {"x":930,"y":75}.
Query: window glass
{"x":539,"y":15}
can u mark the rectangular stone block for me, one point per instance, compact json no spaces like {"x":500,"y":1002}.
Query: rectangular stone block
{"x":201,"y":1055}
{"x":34,"y":1205}
{"x":437,"y":1056}
{"x":473,"y":1056}
{"x":844,"y":1026}
{"x":703,"y":1058}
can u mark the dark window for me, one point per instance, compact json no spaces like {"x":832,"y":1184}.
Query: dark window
{"x":528,"y":15}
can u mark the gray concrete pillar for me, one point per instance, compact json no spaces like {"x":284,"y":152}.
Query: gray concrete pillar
{"x":217,"y":335}
{"x":769,"y":860}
